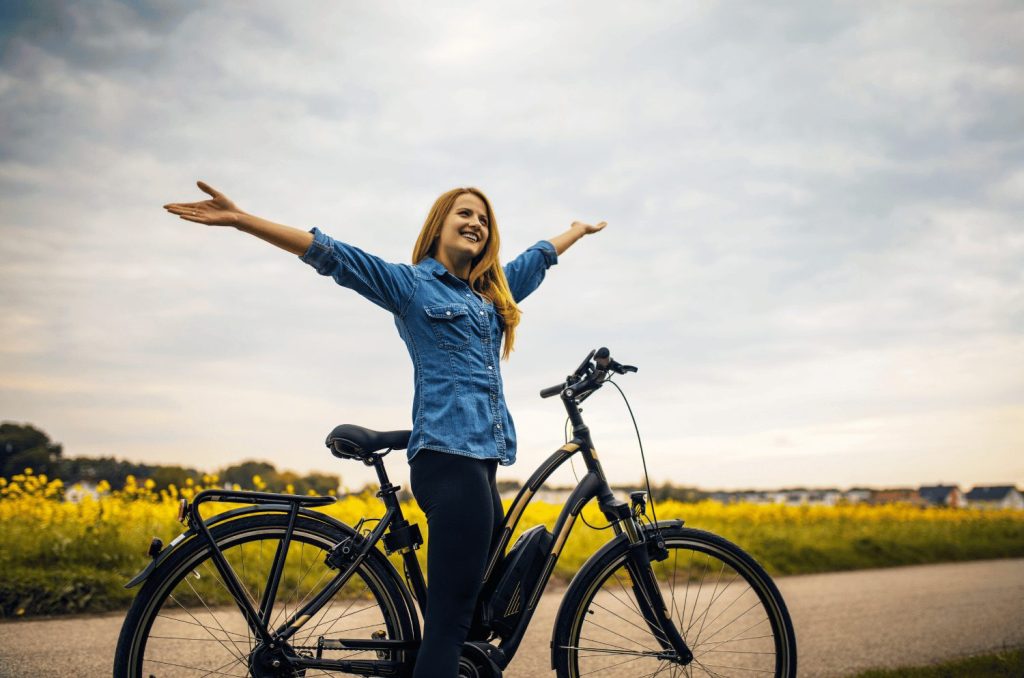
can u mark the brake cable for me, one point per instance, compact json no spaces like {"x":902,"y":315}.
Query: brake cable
{"x":643,"y":459}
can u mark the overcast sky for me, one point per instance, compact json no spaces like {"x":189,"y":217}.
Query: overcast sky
{"x":815,"y":249}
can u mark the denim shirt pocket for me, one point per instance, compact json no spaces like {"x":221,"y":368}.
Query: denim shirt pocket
{"x":451,"y":324}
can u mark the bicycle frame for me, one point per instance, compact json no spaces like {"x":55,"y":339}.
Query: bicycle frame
{"x":403,"y":537}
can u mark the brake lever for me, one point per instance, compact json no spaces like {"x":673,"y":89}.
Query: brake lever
{"x":580,"y":371}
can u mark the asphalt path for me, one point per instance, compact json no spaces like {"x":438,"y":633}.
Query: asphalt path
{"x":845,"y":622}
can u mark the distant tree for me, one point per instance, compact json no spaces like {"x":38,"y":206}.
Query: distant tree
{"x":94,"y":469}
{"x":164,"y":476}
{"x":243,"y":473}
{"x":278,"y":481}
{"x":24,"y":446}
{"x":321,"y":483}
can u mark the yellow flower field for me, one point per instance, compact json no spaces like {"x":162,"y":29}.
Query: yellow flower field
{"x":62,"y":556}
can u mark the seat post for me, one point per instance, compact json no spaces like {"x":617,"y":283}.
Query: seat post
{"x":387,"y":491}
{"x":382,"y":474}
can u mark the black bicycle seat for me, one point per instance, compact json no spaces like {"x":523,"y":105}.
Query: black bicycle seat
{"x":349,"y":441}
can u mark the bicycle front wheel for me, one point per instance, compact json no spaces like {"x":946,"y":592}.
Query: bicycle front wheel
{"x":725,"y":606}
{"x":184,"y":621}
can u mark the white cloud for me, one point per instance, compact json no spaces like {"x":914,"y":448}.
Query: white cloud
{"x":813,"y":220}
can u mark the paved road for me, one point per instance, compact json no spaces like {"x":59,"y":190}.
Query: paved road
{"x":845,"y":622}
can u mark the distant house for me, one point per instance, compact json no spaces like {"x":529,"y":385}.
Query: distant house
{"x":827,"y":497}
{"x":896,"y":496}
{"x":942,"y":495}
{"x":995,"y":497}
{"x":857,"y":495}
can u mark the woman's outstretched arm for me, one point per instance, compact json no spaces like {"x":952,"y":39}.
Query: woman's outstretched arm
{"x":220,"y":211}
{"x":578,"y":229}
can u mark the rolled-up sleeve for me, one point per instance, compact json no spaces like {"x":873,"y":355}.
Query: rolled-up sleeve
{"x":388,"y":285}
{"x":525,"y":273}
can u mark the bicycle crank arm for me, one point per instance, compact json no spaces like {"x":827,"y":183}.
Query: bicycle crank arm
{"x":652,"y":604}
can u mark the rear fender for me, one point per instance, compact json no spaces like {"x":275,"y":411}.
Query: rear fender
{"x":233,"y":514}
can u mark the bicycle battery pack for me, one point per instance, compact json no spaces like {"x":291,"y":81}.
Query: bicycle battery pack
{"x":520,"y":570}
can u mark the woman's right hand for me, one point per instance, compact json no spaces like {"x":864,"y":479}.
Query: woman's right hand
{"x":219,"y":211}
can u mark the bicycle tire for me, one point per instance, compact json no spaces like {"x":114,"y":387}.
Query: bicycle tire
{"x":196,"y":633}
{"x":733,"y":632}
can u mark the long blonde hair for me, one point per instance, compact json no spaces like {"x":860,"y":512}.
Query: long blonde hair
{"x":486,"y":275}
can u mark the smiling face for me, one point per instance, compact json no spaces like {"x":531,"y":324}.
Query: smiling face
{"x":464,"y":232}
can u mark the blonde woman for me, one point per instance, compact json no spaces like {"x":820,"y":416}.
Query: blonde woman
{"x":456,"y":310}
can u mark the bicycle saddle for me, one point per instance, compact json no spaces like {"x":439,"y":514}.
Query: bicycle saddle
{"x":349,"y":441}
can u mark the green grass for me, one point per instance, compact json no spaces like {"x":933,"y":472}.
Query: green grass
{"x":1004,"y":664}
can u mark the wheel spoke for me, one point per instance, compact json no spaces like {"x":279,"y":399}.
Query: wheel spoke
{"x":610,"y":667}
{"x":718,"y":616}
{"x":755,"y":624}
{"x":215,"y":672}
{"x":636,"y":626}
{"x":204,"y":626}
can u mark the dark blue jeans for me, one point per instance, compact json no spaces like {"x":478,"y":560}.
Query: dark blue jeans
{"x":459,"y":496}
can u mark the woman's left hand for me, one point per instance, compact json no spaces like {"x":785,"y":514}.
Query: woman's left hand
{"x":587,"y":229}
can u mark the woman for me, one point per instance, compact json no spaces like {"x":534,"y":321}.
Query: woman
{"x":453,"y":307}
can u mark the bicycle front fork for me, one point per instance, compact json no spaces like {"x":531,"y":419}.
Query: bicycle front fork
{"x":643,"y":548}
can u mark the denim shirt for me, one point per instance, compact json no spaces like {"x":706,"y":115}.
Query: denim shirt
{"x":453,"y":337}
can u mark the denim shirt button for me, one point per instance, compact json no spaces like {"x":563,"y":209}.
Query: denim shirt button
{"x":499,"y":426}
{"x":481,"y":313}
{"x":489,"y":367}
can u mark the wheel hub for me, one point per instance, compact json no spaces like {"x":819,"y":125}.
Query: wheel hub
{"x":272,"y":661}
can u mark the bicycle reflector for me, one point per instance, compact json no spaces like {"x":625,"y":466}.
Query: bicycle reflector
{"x":182,"y":510}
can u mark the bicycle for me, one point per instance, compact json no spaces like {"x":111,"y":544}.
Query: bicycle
{"x":275,"y":588}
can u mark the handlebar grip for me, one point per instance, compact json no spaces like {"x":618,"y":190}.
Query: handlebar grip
{"x":551,"y":391}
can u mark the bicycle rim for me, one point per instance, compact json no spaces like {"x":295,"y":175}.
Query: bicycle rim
{"x":190,"y":626}
{"x":724,"y":607}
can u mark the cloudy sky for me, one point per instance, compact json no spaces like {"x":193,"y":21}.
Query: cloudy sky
{"x":815,"y":251}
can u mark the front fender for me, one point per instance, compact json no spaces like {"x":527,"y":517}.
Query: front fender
{"x":191,"y":533}
{"x":583,"y":576}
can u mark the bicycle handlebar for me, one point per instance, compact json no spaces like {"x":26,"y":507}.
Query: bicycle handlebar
{"x":551,"y":391}
{"x":588,"y":376}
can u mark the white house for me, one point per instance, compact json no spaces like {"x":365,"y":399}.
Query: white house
{"x":995,"y":497}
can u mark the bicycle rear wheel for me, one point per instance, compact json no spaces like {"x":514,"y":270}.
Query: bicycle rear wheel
{"x":184,"y":621}
{"x":725,"y":606}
